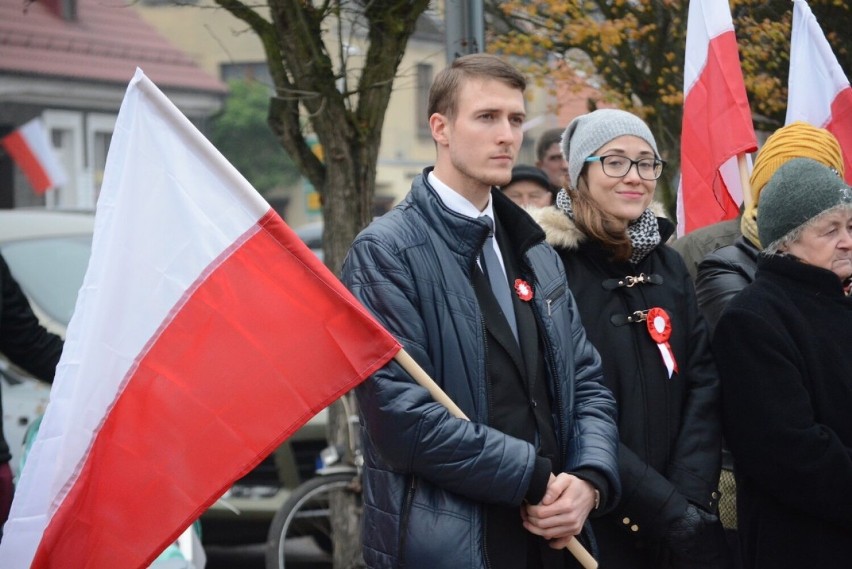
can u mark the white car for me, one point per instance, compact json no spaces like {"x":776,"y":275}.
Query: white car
{"x":47,"y":253}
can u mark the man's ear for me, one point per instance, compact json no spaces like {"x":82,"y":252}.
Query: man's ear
{"x":440,"y":126}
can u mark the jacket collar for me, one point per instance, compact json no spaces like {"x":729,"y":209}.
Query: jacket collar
{"x":804,"y":276}
{"x":464,"y":235}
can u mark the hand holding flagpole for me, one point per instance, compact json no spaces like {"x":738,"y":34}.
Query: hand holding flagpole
{"x":402,"y":357}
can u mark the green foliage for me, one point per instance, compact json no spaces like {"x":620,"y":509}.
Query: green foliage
{"x":241,"y":132}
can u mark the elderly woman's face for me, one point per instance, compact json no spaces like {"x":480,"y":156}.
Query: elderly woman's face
{"x":827,"y":243}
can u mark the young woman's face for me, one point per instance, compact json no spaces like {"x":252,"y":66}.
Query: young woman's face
{"x":827,"y":243}
{"x":625,"y":197}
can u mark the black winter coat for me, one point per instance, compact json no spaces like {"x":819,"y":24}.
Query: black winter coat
{"x":669,"y":428}
{"x":785,"y":358}
{"x":23,"y":340}
{"x":722,"y":274}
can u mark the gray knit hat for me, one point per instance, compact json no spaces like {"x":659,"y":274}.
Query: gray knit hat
{"x":587,"y":133}
{"x":799,"y":191}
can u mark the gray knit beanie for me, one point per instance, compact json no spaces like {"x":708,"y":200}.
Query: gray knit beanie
{"x":799,"y":191}
{"x":587,"y":133}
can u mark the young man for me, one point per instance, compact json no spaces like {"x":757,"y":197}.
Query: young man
{"x":511,"y":487}
{"x":548,"y":154}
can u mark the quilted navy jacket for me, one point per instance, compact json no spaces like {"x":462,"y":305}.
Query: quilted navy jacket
{"x":427,"y":473}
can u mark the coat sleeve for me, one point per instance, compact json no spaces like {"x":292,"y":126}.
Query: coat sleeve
{"x":650,"y":501}
{"x":410,"y":431}
{"x":770,"y":423}
{"x":594,"y":441}
{"x":22,"y":338}
{"x":697,"y":456}
{"x":718,"y":281}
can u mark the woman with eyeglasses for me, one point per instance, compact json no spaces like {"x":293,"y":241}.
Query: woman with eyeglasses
{"x":637,"y":303}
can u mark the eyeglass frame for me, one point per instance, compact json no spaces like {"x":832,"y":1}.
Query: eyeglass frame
{"x":602,"y":158}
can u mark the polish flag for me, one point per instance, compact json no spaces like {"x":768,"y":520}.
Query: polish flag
{"x":31,"y":149}
{"x":818,"y":91}
{"x":717,"y":125}
{"x":205,"y":334}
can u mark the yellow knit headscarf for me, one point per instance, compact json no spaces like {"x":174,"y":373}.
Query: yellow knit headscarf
{"x":795,"y":140}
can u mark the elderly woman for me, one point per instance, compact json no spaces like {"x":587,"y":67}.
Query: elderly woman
{"x":726,"y":271}
{"x":638,"y":306}
{"x":785,"y":358}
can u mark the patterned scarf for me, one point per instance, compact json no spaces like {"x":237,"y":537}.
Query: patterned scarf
{"x":644,"y":233}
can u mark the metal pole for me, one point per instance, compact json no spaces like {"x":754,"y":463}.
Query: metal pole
{"x":464,"y":23}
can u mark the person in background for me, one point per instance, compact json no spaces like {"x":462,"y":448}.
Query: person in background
{"x":28,"y":345}
{"x":529,"y":186}
{"x":724,"y":272}
{"x":696,"y":245}
{"x":783,"y":351}
{"x":548,"y":157}
{"x":637,"y":302}
{"x":463,"y":278}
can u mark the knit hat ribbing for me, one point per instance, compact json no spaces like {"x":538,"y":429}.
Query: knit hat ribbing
{"x":795,"y":140}
{"x":800,"y":190}
{"x":587,"y":133}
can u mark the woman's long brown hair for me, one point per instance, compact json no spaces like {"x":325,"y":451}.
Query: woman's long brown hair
{"x":597,"y":224}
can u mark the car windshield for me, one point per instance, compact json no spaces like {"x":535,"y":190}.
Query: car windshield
{"x":50,"y":271}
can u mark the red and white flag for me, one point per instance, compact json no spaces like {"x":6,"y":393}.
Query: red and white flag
{"x":818,"y":91}
{"x":717,"y":123}
{"x":205,"y":333}
{"x":30,"y":148}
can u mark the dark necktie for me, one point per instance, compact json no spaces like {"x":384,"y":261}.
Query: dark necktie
{"x":499,"y":284}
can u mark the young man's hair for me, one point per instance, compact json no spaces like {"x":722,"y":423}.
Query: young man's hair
{"x":443,"y":95}
{"x":546,"y":140}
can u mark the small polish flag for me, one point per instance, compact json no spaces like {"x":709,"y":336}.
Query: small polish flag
{"x":30,"y":147}
{"x":818,"y":91}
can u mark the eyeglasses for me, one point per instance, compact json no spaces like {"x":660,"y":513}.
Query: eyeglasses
{"x":616,"y":166}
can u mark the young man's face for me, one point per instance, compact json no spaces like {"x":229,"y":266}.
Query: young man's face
{"x":478,"y":147}
{"x":554,"y":165}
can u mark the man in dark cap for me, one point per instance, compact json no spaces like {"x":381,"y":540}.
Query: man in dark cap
{"x":529,"y":186}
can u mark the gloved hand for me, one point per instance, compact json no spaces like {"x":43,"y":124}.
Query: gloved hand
{"x":682,"y":534}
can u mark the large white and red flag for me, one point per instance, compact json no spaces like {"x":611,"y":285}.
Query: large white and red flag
{"x":205,"y":333}
{"x":818,"y":91}
{"x":30,"y":148}
{"x":717,"y":125}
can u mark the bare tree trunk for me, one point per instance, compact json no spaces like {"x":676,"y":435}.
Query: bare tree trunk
{"x":346,"y":506}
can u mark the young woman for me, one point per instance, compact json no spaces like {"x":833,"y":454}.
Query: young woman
{"x":637,"y":303}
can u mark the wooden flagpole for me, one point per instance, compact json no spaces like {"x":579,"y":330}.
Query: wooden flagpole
{"x":744,"y":179}
{"x":422,"y":378}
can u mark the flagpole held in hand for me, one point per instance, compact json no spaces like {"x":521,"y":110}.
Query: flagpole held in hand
{"x":402,"y":357}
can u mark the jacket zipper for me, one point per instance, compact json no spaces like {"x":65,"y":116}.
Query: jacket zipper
{"x":557,"y":390}
{"x":406,"y":514}
{"x":553,"y":296}
{"x":488,"y":404}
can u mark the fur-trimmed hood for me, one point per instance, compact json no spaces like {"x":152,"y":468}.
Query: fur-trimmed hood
{"x":562,"y":233}
{"x":560,"y":230}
